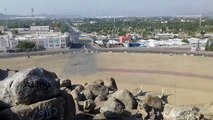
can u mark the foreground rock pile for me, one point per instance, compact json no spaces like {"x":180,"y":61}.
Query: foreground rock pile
{"x":37,"y":94}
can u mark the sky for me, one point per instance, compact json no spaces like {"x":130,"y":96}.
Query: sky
{"x":108,"y":7}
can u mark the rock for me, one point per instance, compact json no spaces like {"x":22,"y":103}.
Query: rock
{"x":70,"y":106}
{"x":132,"y":115}
{"x":153,"y":101}
{"x":100,"y":98}
{"x":126,"y":98}
{"x":88,"y":94}
{"x":52,"y":109}
{"x":111,"y":84}
{"x":207,"y":110}
{"x":30,"y":86}
{"x":99,"y":116}
{"x":76,"y":95}
{"x":179,"y":113}
{"x":65,"y":83}
{"x":112,"y":108}
{"x":97,"y":89}
{"x":89,"y":105}
{"x":80,"y":88}
{"x":99,"y":82}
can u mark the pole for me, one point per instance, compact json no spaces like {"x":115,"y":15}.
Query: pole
{"x":5,"y":10}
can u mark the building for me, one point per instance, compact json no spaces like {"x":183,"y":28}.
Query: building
{"x":125,"y":39}
{"x":39,"y":28}
{"x":46,"y":40}
{"x":7,"y":42}
{"x":2,"y":28}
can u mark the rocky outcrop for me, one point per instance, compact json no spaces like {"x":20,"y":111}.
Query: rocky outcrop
{"x":34,"y":94}
{"x":30,"y":86}
{"x":37,"y":94}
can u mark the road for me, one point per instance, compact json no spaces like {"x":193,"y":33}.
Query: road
{"x":74,"y":39}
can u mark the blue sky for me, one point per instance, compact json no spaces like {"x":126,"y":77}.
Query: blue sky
{"x":108,"y":7}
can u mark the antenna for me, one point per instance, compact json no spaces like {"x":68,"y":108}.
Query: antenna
{"x":5,"y":12}
{"x":32,"y":12}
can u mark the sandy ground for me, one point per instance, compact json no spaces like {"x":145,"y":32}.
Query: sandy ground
{"x":84,"y":68}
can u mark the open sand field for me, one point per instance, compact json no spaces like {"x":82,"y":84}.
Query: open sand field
{"x":187,"y":79}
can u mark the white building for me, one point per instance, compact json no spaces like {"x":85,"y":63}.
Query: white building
{"x":39,"y":28}
{"x":7,"y":42}
{"x":47,"y":40}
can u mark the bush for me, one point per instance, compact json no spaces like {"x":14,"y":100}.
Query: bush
{"x":185,"y":41}
{"x":25,"y":46}
{"x":209,"y":45}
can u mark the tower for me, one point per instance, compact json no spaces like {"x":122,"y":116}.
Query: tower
{"x":32,"y":12}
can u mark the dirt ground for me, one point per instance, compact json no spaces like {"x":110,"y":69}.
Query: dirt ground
{"x":182,"y":89}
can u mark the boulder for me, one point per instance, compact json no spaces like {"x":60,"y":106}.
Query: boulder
{"x":52,"y":109}
{"x":88,"y":94}
{"x":89,"y":105}
{"x":100,"y":98}
{"x":76,"y":95}
{"x":179,"y":113}
{"x":65,"y":83}
{"x":70,"y":106}
{"x":153,"y":101}
{"x":126,"y":98}
{"x":97,"y":89}
{"x":80,"y":88}
{"x":99,"y":82}
{"x":111,"y":84}
{"x":112,"y":108}
{"x":30,"y":86}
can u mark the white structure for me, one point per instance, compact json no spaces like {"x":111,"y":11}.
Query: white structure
{"x":2,"y":28}
{"x":7,"y":42}
{"x":47,"y":40}
{"x":39,"y":28}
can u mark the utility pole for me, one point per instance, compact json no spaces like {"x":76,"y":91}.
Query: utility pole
{"x":200,"y":21}
{"x":5,"y":12}
{"x":32,"y":12}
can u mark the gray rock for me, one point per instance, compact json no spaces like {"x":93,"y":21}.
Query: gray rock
{"x":153,"y":101}
{"x":126,"y":98}
{"x":111,"y":84}
{"x":65,"y":83}
{"x":52,"y":109}
{"x":100,"y":98}
{"x":89,"y":105}
{"x":88,"y":94}
{"x":97,"y":89}
{"x":30,"y":86}
{"x":76,"y":95}
{"x":80,"y":88}
{"x":99,"y":82}
{"x":112,"y":108}
{"x":70,"y":106}
{"x":179,"y":113}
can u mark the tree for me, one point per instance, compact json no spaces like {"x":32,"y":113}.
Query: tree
{"x":15,"y":32}
{"x":185,"y":41}
{"x":25,"y":45}
{"x":209,"y":45}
